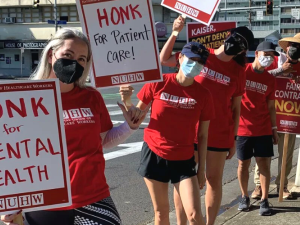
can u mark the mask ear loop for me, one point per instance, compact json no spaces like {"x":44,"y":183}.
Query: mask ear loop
{"x":244,"y":40}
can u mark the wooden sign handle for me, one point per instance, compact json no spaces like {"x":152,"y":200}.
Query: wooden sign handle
{"x":283,"y":166}
{"x":19,"y":219}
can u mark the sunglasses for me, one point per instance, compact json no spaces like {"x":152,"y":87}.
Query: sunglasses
{"x":200,"y":51}
{"x":240,"y":40}
{"x":296,"y":45}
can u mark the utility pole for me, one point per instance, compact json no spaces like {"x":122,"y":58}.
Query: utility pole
{"x":250,"y":18}
{"x":55,"y":14}
{"x":225,"y":11}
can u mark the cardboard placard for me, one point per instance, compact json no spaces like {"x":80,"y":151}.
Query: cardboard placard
{"x":287,"y":106}
{"x":199,"y":10}
{"x":123,"y":39}
{"x":34,"y":169}
{"x":211,"y":36}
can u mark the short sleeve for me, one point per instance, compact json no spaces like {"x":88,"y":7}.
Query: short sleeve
{"x":177,"y":55}
{"x":208,"y":111}
{"x":105,"y":120}
{"x":146,"y":94}
{"x":271,"y":95}
{"x":241,"y":83}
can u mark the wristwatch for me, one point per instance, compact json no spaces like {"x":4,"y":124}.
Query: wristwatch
{"x":236,"y":137}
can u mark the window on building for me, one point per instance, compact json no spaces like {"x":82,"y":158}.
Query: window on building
{"x":158,"y":13}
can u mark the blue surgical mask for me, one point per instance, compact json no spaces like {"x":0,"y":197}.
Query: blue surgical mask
{"x":190,"y":68}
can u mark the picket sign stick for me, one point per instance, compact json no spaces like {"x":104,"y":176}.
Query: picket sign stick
{"x":175,"y":33}
{"x":19,"y":219}
{"x":283,"y":166}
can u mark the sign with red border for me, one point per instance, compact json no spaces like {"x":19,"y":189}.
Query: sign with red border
{"x":211,"y":36}
{"x":287,"y":106}
{"x":123,"y":39}
{"x":34,"y":169}
{"x":199,"y":10}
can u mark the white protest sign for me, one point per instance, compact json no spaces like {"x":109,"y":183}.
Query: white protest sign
{"x":34,"y":169}
{"x":295,"y":13}
{"x":260,"y":15}
{"x":123,"y":39}
{"x":202,"y":11}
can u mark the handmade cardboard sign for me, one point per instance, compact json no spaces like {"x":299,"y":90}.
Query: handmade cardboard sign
{"x":211,"y":36}
{"x":202,"y":11}
{"x":34,"y":170}
{"x":287,"y":105}
{"x":123,"y":39}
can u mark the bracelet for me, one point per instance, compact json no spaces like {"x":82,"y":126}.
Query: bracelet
{"x":274,"y":128}
{"x":175,"y":33}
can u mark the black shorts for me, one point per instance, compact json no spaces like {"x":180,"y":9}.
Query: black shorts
{"x":195,"y":147}
{"x":261,"y":146}
{"x":156,"y":168}
{"x":213,"y":149}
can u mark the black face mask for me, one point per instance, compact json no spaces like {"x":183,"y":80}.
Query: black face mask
{"x":294,"y":53}
{"x":232,"y":47}
{"x":67,"y":70}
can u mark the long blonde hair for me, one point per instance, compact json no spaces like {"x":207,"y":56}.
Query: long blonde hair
{"x":44,"y":67}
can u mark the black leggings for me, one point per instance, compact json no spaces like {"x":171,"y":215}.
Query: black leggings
{"x":103,"y":212}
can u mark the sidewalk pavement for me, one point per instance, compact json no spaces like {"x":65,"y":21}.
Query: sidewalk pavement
{"x":283,"y":213}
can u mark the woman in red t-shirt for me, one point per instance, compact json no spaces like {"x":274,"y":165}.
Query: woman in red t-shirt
{"x":88,"y":130}
{"x":224,"y":76}
{"x":178,"y":104}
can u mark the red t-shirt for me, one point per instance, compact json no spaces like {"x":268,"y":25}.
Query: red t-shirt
{"x":255,"y":117}
{"x":85,"y":117}
{"x":174,"y":114}
{"x":224,"y":80}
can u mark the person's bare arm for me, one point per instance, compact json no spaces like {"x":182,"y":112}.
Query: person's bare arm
{"x":166,"y":57}
{"x":272,"y":110}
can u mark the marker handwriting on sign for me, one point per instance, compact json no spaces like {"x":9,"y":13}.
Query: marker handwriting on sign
{"x":36,"y":106}
{"x":118,"y":15}
{"x":21,"y":150}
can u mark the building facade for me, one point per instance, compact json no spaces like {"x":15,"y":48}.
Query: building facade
{"x":24,"y":31}
{"x":281,"y":19}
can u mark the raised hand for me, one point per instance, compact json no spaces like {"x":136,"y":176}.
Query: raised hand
{"x":134,"y":116}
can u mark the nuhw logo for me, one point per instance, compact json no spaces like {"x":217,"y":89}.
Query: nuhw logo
{"x":256,"y":86}
{"x":21,"y":201}
{"x":177,"y":100}
{"x":129,"y":78}
{"x":77,"y":113}
{"x":216,"y":76}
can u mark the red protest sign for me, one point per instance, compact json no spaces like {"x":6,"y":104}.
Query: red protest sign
{"x":287,"y":105}
{"x":34,"y":170}
{"x":123,"y":39}
{"x":201,"y":11}
{"x":211,"y":36}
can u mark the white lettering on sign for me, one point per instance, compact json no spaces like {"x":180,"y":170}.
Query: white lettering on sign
{"x":21,"y":201}
{"x":203,"y":30}
{"x":186,"y":9}
{"x":127,"y":78}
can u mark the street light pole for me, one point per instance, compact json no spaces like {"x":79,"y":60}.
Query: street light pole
{"x":55,"y":14}
{"x":250,"y":19}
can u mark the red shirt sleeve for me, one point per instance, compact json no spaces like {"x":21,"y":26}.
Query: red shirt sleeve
{"x":241,"y":83}
{"x":146,"y":94}
{"x":208,"y":112}
{"x":271,"y":95}
{"x":177,"y":55}
{"x":105,"y":120}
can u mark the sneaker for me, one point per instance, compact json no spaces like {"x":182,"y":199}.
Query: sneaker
{"x":286,"y":193}
{"x":244,"y":204}
{"x":256,"y":194}
{"x":264,"y":209}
